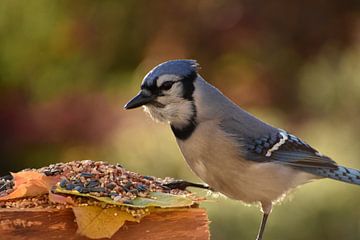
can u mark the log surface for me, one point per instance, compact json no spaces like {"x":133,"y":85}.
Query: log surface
{"x":33,"y":224}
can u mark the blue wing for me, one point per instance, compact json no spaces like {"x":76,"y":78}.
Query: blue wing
{"x":261,"y":142}
{"x":285,"y":148}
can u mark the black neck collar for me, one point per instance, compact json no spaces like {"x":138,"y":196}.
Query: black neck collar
{"x":184,"y":132}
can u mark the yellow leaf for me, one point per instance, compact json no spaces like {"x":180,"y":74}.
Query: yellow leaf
{"x":95,"y":222}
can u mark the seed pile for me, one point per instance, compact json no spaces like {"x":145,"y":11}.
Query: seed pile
{"x":99,"y":179}
{"x":102,"y":179}
{"x":30,"y":202}
{"x":43,"y":202}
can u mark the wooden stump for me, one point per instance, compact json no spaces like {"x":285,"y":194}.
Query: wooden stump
{"x":38,"y":224}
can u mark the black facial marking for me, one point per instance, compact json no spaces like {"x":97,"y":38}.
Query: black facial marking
{"x":166,"y":85}
{"x":151,"y":86}
{"x":188,"y":86}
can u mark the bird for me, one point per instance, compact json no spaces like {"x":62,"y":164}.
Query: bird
{"x":228,"y":148}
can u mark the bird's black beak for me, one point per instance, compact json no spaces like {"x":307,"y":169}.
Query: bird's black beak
{"x":140,"y":99}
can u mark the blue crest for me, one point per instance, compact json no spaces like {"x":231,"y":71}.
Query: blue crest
{"x":182,"y":67}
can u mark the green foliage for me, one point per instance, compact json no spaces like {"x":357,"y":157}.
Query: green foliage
{"x":158,"y":199}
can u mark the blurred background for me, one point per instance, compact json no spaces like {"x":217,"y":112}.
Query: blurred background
{"x":68,"y":67}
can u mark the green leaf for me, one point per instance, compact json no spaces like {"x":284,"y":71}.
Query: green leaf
{"x":164,"y":200}
{"x":157,"y":199}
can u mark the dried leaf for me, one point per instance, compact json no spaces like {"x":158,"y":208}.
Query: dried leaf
{"x":158,"y":199}
{"x":30,"y":183}
{"x":95,"y":222}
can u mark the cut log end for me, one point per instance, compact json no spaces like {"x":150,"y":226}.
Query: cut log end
{"x":38,"y":224}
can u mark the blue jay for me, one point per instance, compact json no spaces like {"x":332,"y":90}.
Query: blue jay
{"x":228,"y":148}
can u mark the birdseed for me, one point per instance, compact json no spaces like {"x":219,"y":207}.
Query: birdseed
{"x":39,"y":202}
{"x":101,"y":179}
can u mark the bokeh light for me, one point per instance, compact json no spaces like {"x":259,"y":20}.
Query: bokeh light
{"x":68,"y":67}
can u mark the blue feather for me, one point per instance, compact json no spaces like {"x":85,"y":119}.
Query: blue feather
{"x":343,"y":174}
{"x":293,"y":151}
{"x":182,"y":68}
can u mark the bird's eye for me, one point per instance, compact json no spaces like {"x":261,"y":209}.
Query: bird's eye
{"x":166,"y":85}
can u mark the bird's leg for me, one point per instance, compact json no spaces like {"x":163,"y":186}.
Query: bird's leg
{"x":182,"y":185}
{"x":262,"y":226}
{"x":266,"y":209}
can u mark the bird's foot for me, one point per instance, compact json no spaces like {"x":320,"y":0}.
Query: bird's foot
{"x":182,"y":185}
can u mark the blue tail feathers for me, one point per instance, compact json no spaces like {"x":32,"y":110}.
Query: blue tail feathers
{"x":343,"y":174}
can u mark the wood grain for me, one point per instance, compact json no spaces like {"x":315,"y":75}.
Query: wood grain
{"x":33,"y":224}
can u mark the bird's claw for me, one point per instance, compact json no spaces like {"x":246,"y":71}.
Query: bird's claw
{"x":182,"y":185}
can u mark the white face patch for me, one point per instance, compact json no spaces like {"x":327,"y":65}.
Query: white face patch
{"x":165,"y":78}
{"x":177,"y":113}
{"x":177,"y":110}
{"x":276,"y":146}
